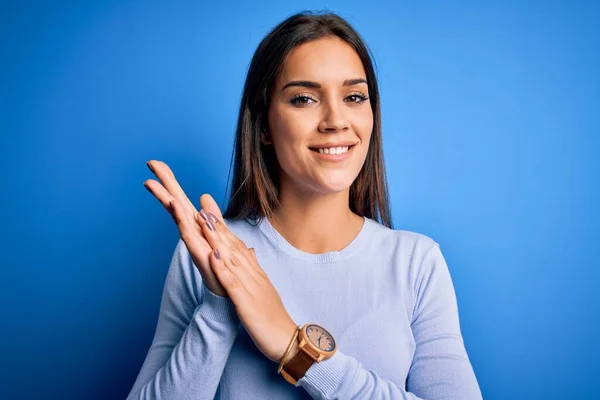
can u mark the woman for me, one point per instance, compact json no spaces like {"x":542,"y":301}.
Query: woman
{"x":303,"y":276}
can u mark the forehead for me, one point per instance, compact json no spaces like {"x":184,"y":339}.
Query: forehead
{"x":328,"y":61}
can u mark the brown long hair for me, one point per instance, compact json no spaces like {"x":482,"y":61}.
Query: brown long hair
{"x":254,"y":192}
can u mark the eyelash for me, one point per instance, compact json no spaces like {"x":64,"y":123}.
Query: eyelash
{"x":294,"y":100}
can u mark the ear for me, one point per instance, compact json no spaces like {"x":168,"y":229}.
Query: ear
{"x":265,"y":138}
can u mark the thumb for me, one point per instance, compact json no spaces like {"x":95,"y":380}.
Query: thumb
{"x":208,"y":204}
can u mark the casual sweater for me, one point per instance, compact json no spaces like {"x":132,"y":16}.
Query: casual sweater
{"x":387,"y":298}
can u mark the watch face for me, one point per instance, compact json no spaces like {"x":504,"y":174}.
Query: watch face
{"x":320,"y":337}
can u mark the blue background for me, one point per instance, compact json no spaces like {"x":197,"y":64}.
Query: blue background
{"x":491,"y":124}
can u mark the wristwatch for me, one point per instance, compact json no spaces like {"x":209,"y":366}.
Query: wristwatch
{"x":315,"y":344}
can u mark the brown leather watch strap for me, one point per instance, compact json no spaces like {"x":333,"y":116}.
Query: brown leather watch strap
{"x":296,"y":368}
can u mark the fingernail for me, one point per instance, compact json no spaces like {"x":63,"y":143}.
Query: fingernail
{"x":210,"y":225}
{"x":147,"y":188}
{"x":203,"y":215}
{"x":213,"y":218}
{"x":217,"y":254}
{"x":149,"y":166}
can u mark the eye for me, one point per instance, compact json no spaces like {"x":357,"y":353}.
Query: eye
{"x":357,"y":98}
{"x":301,"y":100}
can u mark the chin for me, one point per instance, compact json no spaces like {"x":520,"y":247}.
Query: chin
{"x":336,"y":185}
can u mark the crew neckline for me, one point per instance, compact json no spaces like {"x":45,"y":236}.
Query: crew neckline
{"x":330,"y":257}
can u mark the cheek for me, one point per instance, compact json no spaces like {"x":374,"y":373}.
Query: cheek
{"x":279,"y":125}
{"x":289,"y":131}
{"x":363,"y":126}
{"x":286,"y":142}
{"x":366,"y":123}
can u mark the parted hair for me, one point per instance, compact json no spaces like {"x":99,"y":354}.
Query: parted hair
{"x":255,"y":183}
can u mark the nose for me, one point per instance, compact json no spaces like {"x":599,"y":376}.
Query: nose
{"x":333,"y":118}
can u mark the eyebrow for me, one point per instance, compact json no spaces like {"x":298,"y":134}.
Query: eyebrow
{"x":315,"y":85}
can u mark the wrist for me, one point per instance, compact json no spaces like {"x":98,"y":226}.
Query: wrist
{"x":288,"y":334}
{"x":313,"y":345}
{"x":293,"y":351}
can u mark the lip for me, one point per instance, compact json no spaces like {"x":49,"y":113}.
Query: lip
{"x":334,"y":157}
{"x":331,"y":144}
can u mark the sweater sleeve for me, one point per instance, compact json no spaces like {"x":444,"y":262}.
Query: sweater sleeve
{"x":194,"y":335}
{"x":440,"y":367}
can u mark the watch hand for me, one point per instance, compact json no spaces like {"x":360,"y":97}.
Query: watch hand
{"x":319,"y":341}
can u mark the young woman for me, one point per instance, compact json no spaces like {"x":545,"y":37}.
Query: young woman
{"x":301,"y":288}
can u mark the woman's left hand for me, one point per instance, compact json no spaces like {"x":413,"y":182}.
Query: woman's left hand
{"x":256,"y":300}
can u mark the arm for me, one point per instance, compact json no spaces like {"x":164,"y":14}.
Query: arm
{"x":194,"y":335}
{"x":440,"y":368}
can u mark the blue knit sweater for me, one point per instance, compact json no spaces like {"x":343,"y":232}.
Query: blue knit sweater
{"x":387,"y":298}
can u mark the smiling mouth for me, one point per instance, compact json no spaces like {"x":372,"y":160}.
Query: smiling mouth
{"x":333,"y":150}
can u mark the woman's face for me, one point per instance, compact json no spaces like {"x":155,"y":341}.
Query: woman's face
{"x":320,"y":104}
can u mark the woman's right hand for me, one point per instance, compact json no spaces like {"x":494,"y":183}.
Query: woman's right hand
{"x":169,"y":193}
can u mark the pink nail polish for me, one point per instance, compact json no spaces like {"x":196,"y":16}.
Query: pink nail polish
{"x":210,"y":225}
{"x":203,"y":215}
{"x":217,"y":254}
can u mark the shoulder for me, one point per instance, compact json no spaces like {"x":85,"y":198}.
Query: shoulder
{"x":400,"y":241}
{"x":244,"y":229}
{"x":411,"y":260}
{"x":241,"y":225}
{"x":413,"y":256}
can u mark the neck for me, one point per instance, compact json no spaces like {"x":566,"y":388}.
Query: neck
{"x":316,"y":223}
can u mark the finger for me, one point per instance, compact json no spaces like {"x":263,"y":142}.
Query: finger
{"x":165,"y":198}
{"x":197,"y":246}
{"x":208,"y":204}
{"x":219,"y":226}
{"x":216,"y":240}
{"x":226,"y":234}
{"x":237,"y":262}
{"x":236,"y":245}
{"x":234,"y":242}
{"x":161,"y":194}
{"x":188,"y":230}
{"x":230,"y":282}
{"x":167,"y":179}
{"x":229,"y":237}
{"x":256,"y":265}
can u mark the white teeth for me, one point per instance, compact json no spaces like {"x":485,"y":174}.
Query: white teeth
{"x":334,"y":150}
